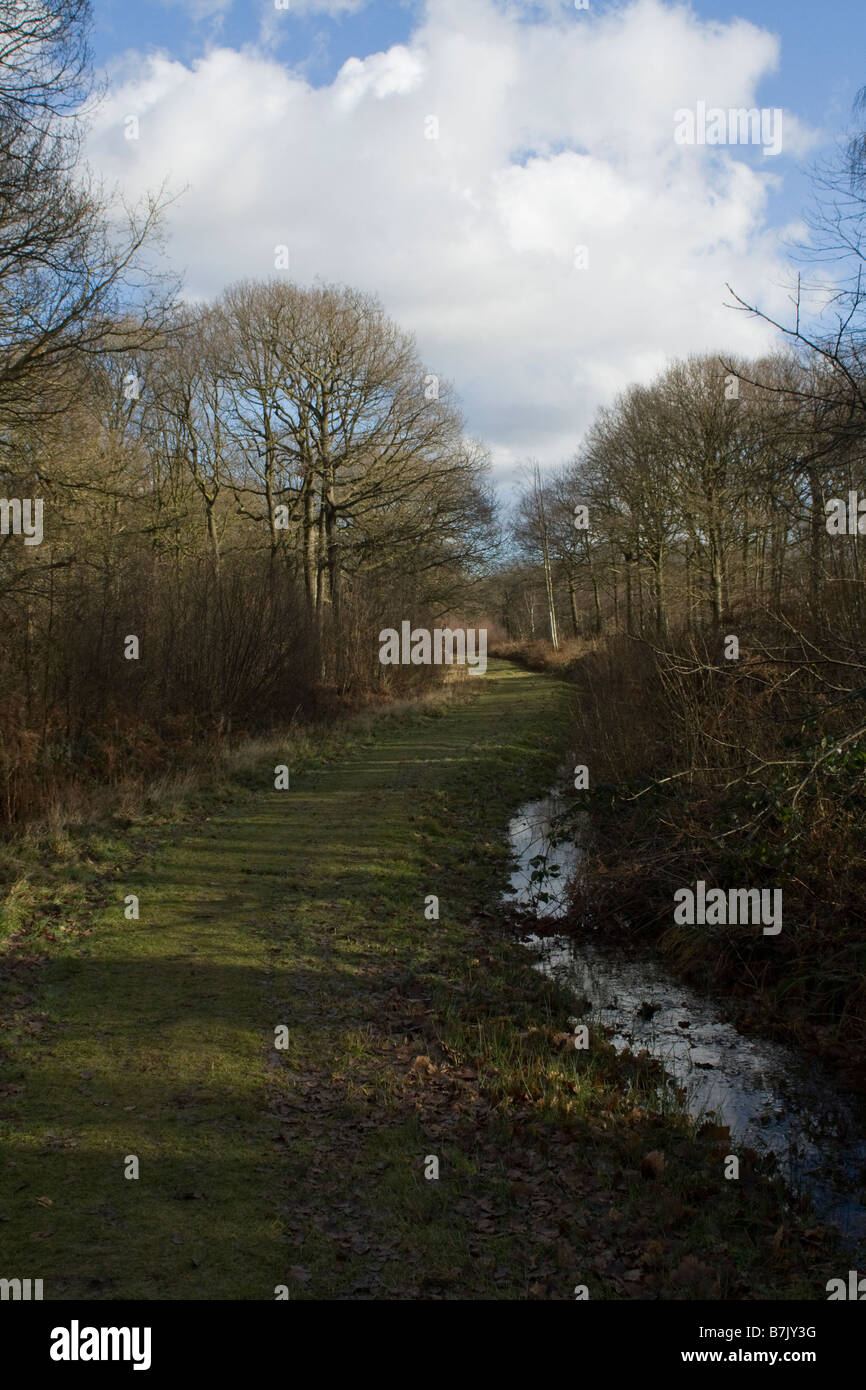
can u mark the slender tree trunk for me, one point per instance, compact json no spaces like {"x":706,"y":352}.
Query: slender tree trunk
{"x":615,"y":580}
{"x":213,"y":538}
{"x":817,"y":532}
{"x":629,"y":625}
{"x":309,"y":543}
{"x":321,"y":594}
{"x":572,"y":598}
{"x":718,"y":580}
{"x":689,"y":595}
{"x":596,"y":597}
{"x":639,"y":570}
{"x":778,"y":564}
{"x":661,"y":600}
{"x":745,"y":564}
{"x":545,"y":553}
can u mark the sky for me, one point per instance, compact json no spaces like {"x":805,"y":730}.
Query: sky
{"x":514,"y":180}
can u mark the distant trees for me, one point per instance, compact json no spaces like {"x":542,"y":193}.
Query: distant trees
{"x":705,"y":495}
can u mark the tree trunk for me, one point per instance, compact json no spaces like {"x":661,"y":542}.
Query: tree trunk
{"x":309,"y":543}
{"x":661,"y":601}
{"x":817,"y":531}
{"x":572,"y":598}
{"x":629,"y":625}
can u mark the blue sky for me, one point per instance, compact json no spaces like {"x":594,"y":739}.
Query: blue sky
{"x":306,"y":127}
{"x":320,"y":42}
{"x":822,"y":67}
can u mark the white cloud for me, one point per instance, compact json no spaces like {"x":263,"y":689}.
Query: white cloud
{"x":331,"y":7}
{"x":383,"y":74}
{"x":552,"y":134}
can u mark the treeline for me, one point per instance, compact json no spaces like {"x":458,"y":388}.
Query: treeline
{"x":232,"y":500}
{"x":701,"y":496}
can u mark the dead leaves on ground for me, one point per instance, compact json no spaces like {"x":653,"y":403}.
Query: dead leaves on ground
{"x":544,"y":1203}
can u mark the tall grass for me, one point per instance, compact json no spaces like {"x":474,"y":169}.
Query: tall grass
{"x":727,"y":771}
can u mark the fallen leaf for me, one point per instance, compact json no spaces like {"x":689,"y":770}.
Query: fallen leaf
{"x":652,"y":1165}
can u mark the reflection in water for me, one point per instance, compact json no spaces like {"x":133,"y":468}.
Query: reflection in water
{"x":769,"y":1097}
{"x":535,"y":836}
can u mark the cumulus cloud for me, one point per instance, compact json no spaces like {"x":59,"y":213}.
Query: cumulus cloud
{"x":397,"y":71}
{"x":456,"y":173}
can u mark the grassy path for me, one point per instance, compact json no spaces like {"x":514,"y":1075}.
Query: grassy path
{"x":408,"y":1039}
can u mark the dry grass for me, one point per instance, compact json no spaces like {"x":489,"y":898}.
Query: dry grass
{"x":694,"y":765}
{"x":540,"y":655}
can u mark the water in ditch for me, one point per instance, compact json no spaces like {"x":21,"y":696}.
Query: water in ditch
{"x":772,"y":1099}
